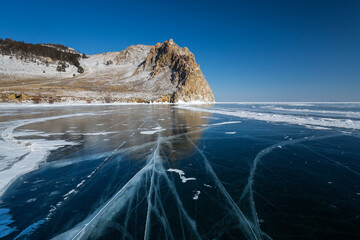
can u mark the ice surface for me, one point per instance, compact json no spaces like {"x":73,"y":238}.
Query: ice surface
{"x":185,"y":180}
{"x":29,"y":230}
{"x":5,"y":219}
{"x":24,"y":156}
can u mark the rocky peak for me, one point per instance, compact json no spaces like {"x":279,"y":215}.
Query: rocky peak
{"x":185,"y":72}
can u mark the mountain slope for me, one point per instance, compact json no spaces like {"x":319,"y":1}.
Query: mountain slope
{"x":161,"y":73}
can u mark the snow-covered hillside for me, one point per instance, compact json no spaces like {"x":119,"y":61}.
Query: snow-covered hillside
{"x":12,"y":67}
{"x":107,"y":77}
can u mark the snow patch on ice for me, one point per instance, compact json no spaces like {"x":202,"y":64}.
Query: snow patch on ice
{"x":317,"y":127}
{"x":224,"y":123}
{"x":282,"y":118}
{"x":303,"y":111}
{"x":80,"y":184}
{"x":93,"y":134}
{"x":196,"y":195}
{"x":72,"y":191}
{"x":31,"y":200}
{"x":181,"y":175}
{"x":153,"y":131}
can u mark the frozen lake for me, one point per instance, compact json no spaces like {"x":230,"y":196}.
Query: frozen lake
{"x":222,"y":171}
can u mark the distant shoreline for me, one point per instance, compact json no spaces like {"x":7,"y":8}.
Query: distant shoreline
{"x":84,"y":103}
{"x":3,"y":104}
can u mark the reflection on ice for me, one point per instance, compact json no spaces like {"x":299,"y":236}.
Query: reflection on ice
{"x":23,"y":156}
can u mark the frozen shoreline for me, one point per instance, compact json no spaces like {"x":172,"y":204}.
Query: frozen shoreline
{"x":83,"y":103}
{"x":307,"y":121}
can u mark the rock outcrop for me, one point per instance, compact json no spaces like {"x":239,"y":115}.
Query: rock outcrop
{"x":161,"y":73}
{"x":186,"y":74}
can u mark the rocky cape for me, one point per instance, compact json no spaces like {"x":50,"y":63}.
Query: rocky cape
{"x":161,"y":73}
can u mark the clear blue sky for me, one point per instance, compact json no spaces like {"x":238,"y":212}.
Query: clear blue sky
{"x":293,"y":50}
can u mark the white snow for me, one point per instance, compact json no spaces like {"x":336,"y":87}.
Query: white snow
{"x":181,"y":174}
{"x":80,"y":184}
{"x":196,"y":195}
{"x":72,"y":191}
{"x":224,"y":123}
{"x":282,"y":118}
{"x":92,"y":134}
{"x":153,"y":131}
{"x":317,"y":127}
{"x":303,"y":111}
{"x":12,"y":67}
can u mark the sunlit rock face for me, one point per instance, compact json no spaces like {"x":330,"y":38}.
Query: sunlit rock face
{"x":161,"y":73}
{"x":186,"y":74}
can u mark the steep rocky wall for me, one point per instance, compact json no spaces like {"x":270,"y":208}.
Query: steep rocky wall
{"x":186,"y":74}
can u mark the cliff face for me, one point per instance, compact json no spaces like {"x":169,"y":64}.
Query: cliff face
{"x":161,"y":73}
{"x":191,"y":84}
